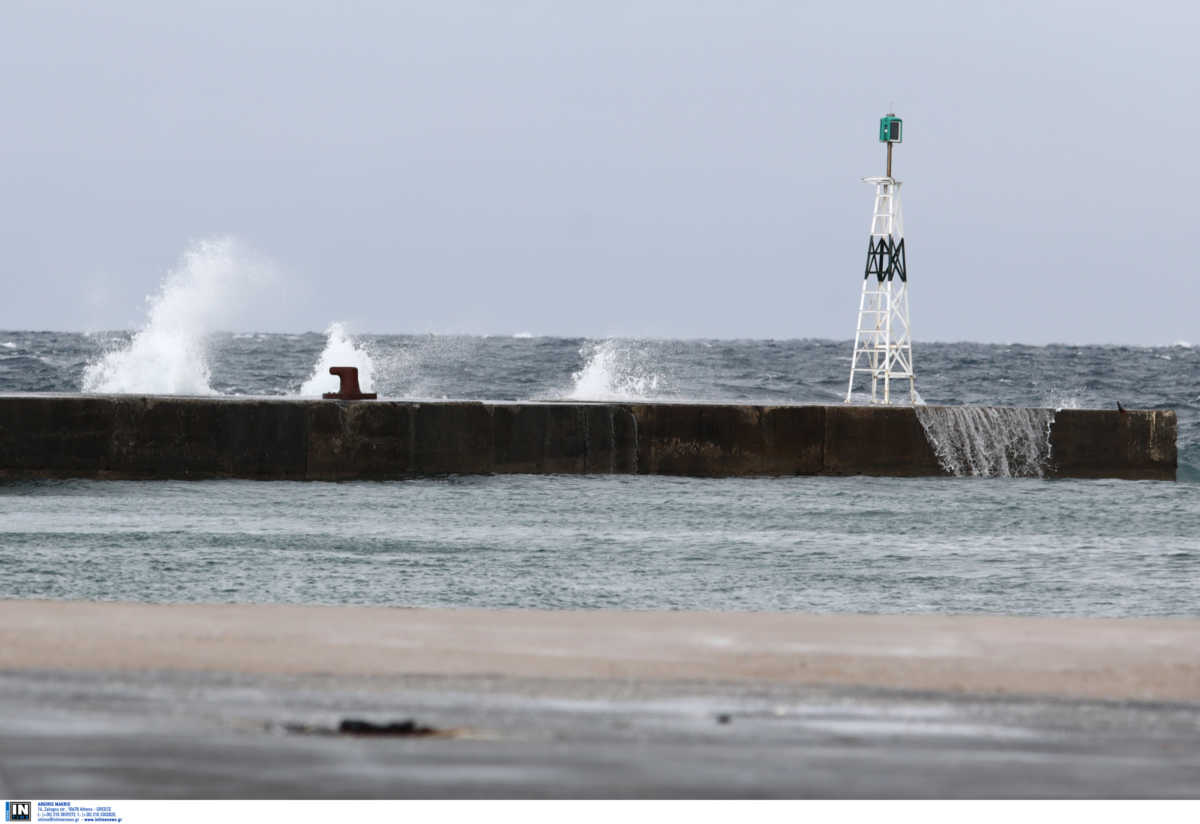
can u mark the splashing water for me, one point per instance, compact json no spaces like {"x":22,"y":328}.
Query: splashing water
{"x":989,"y":442}
{"x":169,"y":355}
{"x":613,"y":370}
{"x":340,"y":350}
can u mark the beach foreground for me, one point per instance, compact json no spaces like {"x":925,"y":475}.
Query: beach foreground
{"x":134,"y":700}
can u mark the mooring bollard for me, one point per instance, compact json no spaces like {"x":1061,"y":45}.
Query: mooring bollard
{"x":349,"y":390}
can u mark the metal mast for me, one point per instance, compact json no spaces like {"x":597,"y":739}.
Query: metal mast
{"x":883,"y":341}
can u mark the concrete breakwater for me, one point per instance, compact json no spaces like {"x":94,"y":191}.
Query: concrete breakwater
{"x":129,"y":436}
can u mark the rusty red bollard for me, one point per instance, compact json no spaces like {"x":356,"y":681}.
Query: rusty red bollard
{"x":349,"y":390}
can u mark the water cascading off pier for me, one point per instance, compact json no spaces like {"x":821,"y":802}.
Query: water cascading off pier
{"x":989,"y":442}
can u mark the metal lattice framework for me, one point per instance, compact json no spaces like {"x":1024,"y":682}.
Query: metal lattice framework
{"x":883,"y":340}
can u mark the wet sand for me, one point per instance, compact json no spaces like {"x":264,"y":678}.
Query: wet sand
{"x":1113,"y":659}
{"x":118,"y":700}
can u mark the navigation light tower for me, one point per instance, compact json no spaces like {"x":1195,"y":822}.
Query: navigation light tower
{"x":883,"y":341}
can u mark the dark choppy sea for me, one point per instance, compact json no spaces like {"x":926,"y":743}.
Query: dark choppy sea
{"x":995,"y":545}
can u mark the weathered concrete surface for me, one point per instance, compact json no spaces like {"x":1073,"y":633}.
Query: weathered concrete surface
{"x":872,"y":440}
{"x":134,"y":436}
{"x":126,"y":436}
{"x":1089,"y":443}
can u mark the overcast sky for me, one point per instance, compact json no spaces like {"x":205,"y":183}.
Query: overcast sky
{"x":672,"y":169}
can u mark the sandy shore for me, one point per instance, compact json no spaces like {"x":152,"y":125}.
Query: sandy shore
{"x":1142,"y":659}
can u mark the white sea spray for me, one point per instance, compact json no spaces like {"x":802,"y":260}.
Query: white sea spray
{"x":615,"y":369}
{"x":340,"y":350}
{"x":213,"y":281}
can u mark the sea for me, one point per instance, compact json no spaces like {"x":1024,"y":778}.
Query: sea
{"x":995,"y":538}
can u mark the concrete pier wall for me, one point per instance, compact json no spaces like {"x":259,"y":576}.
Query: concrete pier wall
{"x":126,"y":436}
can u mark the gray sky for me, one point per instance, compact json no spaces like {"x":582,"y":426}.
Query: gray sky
{"x":643,"y":168}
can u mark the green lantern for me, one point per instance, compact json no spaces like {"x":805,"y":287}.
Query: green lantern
{"x":891,"y":129}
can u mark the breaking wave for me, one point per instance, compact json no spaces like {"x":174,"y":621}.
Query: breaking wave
{"x":614,"y":370}
{"x":340,"y":350}
{"x":169,"y":354}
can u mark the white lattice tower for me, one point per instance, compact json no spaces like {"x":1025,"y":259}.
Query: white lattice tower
{"x":883,"y":338}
